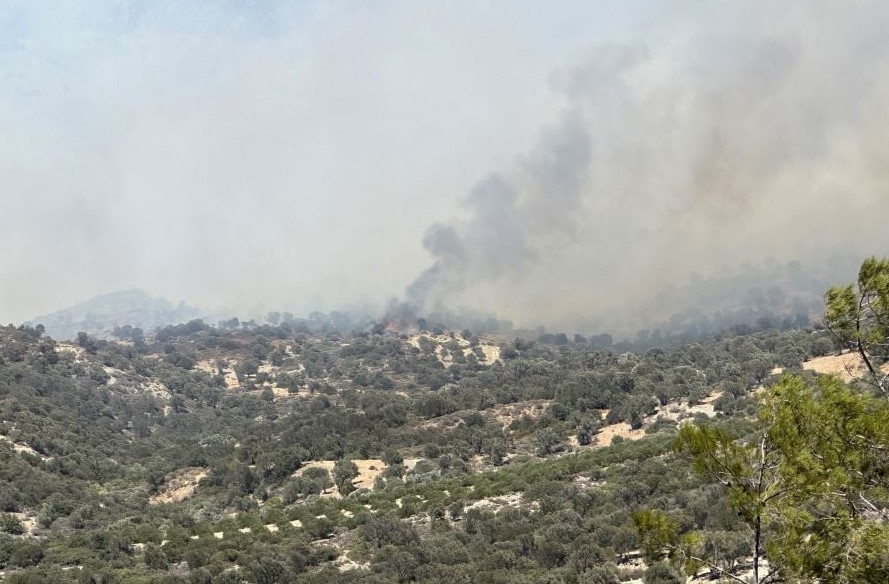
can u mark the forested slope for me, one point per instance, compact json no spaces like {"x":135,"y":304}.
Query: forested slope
{"x":273,"y":454}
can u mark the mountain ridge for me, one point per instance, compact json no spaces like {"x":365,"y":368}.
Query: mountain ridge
{"x":99,"y":315}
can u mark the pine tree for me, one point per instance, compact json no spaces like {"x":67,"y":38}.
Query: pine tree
{"x":813,"y":482}
{"x":858,"y":316}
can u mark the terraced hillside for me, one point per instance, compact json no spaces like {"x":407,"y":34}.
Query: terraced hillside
{"x":273,"y":455}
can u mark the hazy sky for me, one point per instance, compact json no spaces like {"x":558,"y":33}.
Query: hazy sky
{"x":305,"y":155}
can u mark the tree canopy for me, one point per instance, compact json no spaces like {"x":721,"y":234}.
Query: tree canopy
{"x":812,"y":481}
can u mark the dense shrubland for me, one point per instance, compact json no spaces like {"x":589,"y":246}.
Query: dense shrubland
{"x":482,"y":470}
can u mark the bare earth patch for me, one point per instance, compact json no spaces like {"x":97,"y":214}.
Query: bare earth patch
{"x":672,"y":411}
{"x":23,"y":448}
{"x":488,"y":348}
{"x":78,"y":352}
{"x":345,"y":564}
{"x":206,"y":366}
{"x":283,"y":392}
{"x":268,"y":368}
{"x":179,"y":486}
{"x":28,"y":523}
{"x":676,"y":411}
{"x":847,"y":366}
{"x":156,"y":389}
{"x":622,"y":429}
{"x":368,"y":470}
{"x":228,"y":370}
{"x":504,"y":414}
{"x":508,"y":413}
{"x":113,"y":375}
{"x":326,"y":465}
{"x":495,"y":504}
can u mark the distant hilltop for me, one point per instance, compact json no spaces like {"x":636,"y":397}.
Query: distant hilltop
{"x":98,"y":316}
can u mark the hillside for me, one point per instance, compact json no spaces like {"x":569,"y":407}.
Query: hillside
{"x":271,"y":455}
{"x":100,"y":315}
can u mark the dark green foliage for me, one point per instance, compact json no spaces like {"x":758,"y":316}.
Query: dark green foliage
{"x":811,"y":481}
{"x":155,"y":558}
{"x":10,"y":524}
{"x":117,"y":424}
{"x":548,"y":440}
{"x":858,"y":317}
{"x":662,"y":573}
{"x":313,"y":481}
{"x":343,"y":472}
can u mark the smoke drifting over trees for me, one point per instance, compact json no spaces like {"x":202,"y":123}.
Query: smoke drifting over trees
{"x":716,"y":143}
{"x":507,"y":220}
{"x":307,"y":159}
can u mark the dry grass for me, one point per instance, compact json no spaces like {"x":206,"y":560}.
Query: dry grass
{"x":622,"y":429}
{"x":847,"y":366}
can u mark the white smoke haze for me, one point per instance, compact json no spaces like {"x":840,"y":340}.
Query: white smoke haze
{"x":547,"y":164}
{"x":723,"y":145}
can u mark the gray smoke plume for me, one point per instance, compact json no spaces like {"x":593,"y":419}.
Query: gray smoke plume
{"x":576,"y":159}
{"x":733,"y":135}
{"x":511,"y":219}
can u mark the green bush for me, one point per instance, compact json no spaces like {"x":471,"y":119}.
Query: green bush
{"x":10,"y":524}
